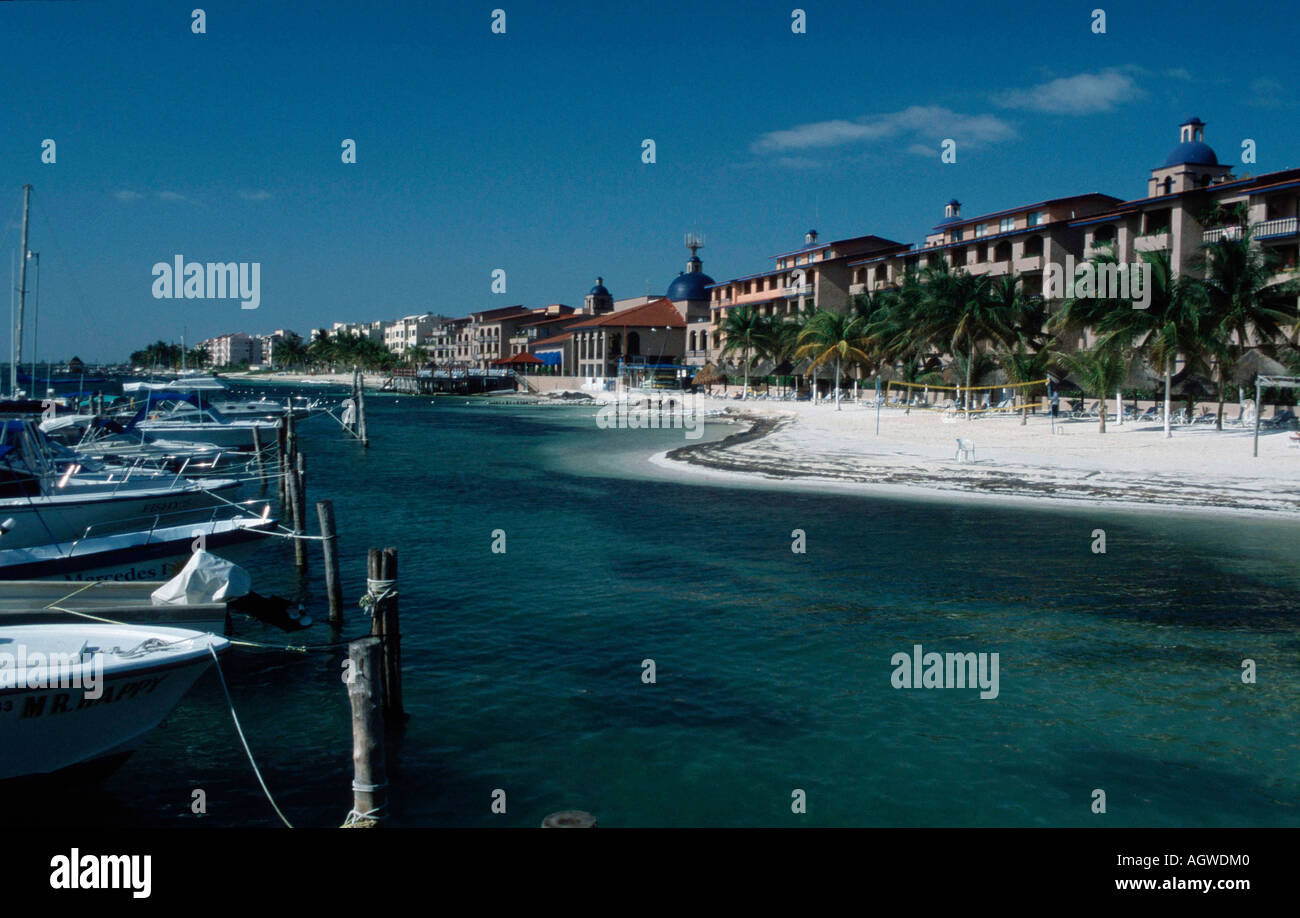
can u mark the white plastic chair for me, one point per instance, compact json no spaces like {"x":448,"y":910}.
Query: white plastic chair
{"x":965,"y":450}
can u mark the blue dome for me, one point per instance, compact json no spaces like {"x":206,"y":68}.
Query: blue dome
{"x":599,"y":290}
{"x":1194,"y":152}
{"x":689,"y":286}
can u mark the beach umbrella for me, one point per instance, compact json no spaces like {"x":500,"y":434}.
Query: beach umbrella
{"x":1255,"y":363}
{"x":709,"y":375}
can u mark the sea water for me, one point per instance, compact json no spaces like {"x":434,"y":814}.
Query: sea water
{"x":527,"y":670}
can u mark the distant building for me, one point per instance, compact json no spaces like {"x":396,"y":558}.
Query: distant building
{"x":232,"y":349}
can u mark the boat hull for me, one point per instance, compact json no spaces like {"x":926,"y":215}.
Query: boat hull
{"x":50,"y":730}
{"x":70,"y":517}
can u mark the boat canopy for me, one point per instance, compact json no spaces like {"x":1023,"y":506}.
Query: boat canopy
{"x":194,"y":398}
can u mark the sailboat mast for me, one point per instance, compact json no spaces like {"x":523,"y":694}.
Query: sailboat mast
{"x":22,"y":294}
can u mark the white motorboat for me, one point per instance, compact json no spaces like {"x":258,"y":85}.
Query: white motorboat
{"x":47,"y":499}
{"x":185,"y":416}
{"x":149,"y":548}
{"x":77,"y":699}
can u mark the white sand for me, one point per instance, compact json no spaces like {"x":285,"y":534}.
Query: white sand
{"x":1131,"y":464}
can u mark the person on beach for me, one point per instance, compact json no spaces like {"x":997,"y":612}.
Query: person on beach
{"x":1056,"y":405}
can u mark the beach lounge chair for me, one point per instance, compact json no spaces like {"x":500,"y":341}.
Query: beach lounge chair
{"x":1280,"y":420}
{"x":1151,"y":414}
{"x":965,"y":450}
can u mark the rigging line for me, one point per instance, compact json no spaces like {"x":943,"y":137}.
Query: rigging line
{"x":240,"y":731}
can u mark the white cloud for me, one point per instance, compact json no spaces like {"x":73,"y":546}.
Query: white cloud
{"x":255,"y":195}
{"x":170,"y":196}
{"x":1266,"y":93}
{"x":1081,"y":94}
{"x":920,"y":125}
{"x":125,"y":195}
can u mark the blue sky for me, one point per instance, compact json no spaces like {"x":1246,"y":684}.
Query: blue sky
{"x":523,"y":151}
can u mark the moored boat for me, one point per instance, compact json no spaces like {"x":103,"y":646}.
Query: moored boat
{"x":79,"y":699}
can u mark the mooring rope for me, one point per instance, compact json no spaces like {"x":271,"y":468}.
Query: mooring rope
{"x":240,"y":731}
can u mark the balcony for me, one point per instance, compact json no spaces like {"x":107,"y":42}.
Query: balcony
{"x":1268,"y":229}
{"x":799,"y":290}
{"x":1286,"y":226}
{"x":1152,"y":242}
{"x":855,"y":289}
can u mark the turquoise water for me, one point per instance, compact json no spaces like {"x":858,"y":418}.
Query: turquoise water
{"x":523,"y":670}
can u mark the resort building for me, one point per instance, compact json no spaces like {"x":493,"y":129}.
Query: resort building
{"x":545,"y":323}
{"x":269,"y":343}
{"x":232,"y":349}
{"x":486,"y":337}
{"x":409,"y":332}
{"x":373,"y":331}
{"x":818,"y":275}
{"x":1193,"y":199}
{"x":443,"y":341}
{"x":651,"y":334}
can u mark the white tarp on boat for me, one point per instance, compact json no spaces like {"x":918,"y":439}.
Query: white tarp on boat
{"x":204,"y":578}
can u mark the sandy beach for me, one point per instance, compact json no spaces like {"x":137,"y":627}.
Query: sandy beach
{"x":1133,"y":464}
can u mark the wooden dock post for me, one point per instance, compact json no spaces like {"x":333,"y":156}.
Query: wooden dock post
{"x":361,"y":411}
{"x":257,"y":457}
{"x":330,"y":542}
{"x":298,"y":502}
{"x":381,"y":581}
{"x":281,"y":451}
{"x":392,"y":642}
{"x":369,"y":768}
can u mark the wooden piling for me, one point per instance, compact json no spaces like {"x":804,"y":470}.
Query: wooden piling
{"x":381,"y":581}
{"x":281,"y":451}
{"x":361,"y":411}
{"x":369,"y":768}
{"x":298,"y":499}
{"x":257,"y":457}
{"x":329,"y":540}
{"x":392,"y":642}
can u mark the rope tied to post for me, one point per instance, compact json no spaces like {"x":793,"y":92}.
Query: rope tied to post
{"x":376,"y":592}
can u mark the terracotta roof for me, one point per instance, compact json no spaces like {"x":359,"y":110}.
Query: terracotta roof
{"x":648,"y":315}
{"x":515,"y":359}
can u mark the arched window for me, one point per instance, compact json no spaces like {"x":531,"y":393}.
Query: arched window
{"x":615,"y":345}
{"x":633,"y":344}
{"x":1033,"y":246}
{"x":1104,"y":234}
{"x":1003,"y":251}
{"x":1169,"y":184}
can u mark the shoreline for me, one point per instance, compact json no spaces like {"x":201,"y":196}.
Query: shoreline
{"x":786,"y":449}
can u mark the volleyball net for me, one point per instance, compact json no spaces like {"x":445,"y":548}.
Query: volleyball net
{"x":1008,"y":398}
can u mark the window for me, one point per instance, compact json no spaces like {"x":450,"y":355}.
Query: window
{"x":981,"y":229}
{"x":956,"y":235}
{"x":1007,"y":224}
{"x":1036,"y":218}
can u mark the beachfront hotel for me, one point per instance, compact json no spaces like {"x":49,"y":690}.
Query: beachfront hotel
{"x":1191,"y":199}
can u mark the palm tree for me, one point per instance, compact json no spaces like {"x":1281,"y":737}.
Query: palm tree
{"x":1245,"y":302}
{"x":1173,"y":325}
{"x":1099,"y":370}
{"x":781,"y":339}
{"x":835,"y":336}
{"x":960,"y":310}
{"x":1024,"y":366}
{"x":744,"y":330}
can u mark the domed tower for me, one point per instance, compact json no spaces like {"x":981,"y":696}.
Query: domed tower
{"x":1190,"y":165}
{"x":598,"y":301}
{"x":689,"y":290}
